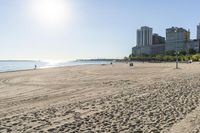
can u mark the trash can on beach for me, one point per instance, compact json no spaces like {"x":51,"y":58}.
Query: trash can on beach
{"x":131,"y":64}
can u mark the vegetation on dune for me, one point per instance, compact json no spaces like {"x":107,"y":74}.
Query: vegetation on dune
{"x":169,"y":56}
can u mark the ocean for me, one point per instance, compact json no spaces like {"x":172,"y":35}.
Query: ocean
{"x":14,"y":65}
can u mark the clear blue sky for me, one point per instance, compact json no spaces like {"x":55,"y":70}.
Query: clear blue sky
{"x":91,"y":28}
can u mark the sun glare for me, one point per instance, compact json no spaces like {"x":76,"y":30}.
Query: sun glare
{"x":54,"y":62}
{"x":50,"y":13}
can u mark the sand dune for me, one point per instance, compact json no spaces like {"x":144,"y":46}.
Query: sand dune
{"x":101,"y":98}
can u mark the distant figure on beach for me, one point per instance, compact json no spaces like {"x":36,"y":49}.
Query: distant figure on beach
{"x":35,"y":67}
{"x":111,"y":63}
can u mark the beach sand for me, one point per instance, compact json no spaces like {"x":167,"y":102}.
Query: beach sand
{"x":146,"y":98}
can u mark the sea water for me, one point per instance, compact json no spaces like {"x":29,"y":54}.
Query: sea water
{"x":14,"y":65}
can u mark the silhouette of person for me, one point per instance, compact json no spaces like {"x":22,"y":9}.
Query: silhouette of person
{"x":35,"y":67}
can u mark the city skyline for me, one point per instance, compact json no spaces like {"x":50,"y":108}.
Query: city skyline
{"x":73,"y":29}
{"x":177,"y":39}
{"x":139,"y":33}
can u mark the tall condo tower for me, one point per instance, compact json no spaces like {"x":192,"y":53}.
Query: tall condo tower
{"x":198,"y":31}
{"x":144,"y":36}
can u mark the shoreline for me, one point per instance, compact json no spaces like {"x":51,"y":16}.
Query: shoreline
{"x":43,"y":68}
{"x":105,"y":63}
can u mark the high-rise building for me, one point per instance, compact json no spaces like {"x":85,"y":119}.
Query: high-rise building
{"x":139,"y":37}
{"x":198,"y":31}
{"x":156,"y":39}
{"x":144,"y":36}
{"x":176,"y":34}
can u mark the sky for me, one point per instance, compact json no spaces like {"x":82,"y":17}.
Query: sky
{"x":83,"y":29}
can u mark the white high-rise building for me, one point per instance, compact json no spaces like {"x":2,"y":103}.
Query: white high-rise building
{"x":198,"y":31}
{"x":144,"y":36}
{"x":139,"y":35}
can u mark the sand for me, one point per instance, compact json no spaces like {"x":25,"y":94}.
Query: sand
{"x":146,"y":98}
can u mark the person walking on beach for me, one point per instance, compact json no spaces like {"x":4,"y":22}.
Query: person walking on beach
{"x":35,"y":67}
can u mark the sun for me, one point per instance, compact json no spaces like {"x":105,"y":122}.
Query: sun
{"x":50,"y":13}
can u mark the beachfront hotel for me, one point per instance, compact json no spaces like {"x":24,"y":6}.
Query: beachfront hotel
{"x":176,"y":39}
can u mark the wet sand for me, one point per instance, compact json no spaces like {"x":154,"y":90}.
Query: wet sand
{"x":149,"y":98}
